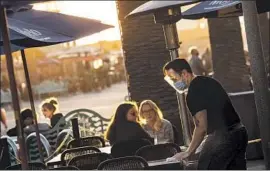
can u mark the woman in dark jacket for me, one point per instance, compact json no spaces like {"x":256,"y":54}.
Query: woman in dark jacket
{"x":49,"y":109}
{"x":125,"y":125}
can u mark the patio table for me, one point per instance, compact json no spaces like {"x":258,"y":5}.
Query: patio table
{"x":158,"y":164}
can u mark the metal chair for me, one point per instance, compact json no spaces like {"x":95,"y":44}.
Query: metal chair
{"x":158,"y":152}
{"x":90,"y":122}
{"x":89,"y":161}
{"x":13,"y":151}
{"x":52,"y":134}
{"x":94,"y":141}
{"x":63,"y":138}
{"x":128,"y":148}
{"x":68,"y":154}
{"x":31,"y":166}
{"x":124,"y":163}
{"x":33,"y":152}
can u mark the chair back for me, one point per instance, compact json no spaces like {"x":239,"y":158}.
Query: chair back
{"x":4,"y":154}
{"x":128,"y":148}
{"x":68,"y":154}
{"x":63,"y":138}
{"x":124,"y":163}
{"x":94,"y":141}
{"x":91,"y":123}
{"x":65,"y":168}
{"x":33,"y":152}
{"x":158,"y":152}
{"x":52,"y":134}
{"x":31,"y":166}
{"x":13,"y":151}
{"x":89,"y":161}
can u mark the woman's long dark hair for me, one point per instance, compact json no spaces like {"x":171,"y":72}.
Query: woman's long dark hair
{"x":119,"y":118}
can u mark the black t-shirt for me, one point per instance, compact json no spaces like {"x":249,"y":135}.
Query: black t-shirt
{"x":207,"y":93}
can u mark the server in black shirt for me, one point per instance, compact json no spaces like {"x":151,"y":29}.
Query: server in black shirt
{"x":214,"y":115}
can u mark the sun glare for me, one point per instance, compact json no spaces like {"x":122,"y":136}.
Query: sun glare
{"x":105,"y":11}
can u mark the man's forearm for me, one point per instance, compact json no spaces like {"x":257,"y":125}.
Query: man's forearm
{"x":197,"y":138}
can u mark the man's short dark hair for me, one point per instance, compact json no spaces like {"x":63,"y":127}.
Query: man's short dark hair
{"x":26,"y":113}
{"x":178,"y":65}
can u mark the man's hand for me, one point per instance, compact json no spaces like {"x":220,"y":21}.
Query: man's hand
{"x":182,"y":155}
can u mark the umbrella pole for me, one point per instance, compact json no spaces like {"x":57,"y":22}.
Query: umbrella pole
{"x":258,"y":73}
{"x":30,"y":94}
{"x":13,"y":87}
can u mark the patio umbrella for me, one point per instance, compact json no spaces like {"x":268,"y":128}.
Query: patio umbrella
{"x":219,"y":9}
{"x":14,"y":3}
{"x":38,"y":28}
{"x":41,"y":28}
{"x":153,"y":6}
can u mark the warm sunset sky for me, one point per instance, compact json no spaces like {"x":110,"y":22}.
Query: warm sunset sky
{"x":106,"y":12}
{"x":100,"y":10}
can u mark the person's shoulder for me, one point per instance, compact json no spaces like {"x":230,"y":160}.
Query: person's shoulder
{"x":44,"y":126}
{"x":200,"y":81}
{"x":167,"y":122}
{"x":198,"y":85}
{"x":201,"y":78}
{"x":58,"y":115}
{"x":144,"y":126}
{"x":135,"y":126}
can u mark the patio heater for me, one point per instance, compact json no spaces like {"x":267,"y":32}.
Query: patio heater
{"x":168,"y":13}
{"x":168,"y":19}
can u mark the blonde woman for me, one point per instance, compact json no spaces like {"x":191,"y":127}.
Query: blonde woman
{"x":155,"y":125}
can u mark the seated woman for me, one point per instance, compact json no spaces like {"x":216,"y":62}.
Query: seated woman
{"x":158,"y":128}
{"x":28,"y":124}
{"x":125,"y":125}
{"x":49,"y":108}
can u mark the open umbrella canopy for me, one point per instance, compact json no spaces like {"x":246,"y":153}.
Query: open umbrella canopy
{"x":218,"y":9}
{"x":153,"y":6}
{"x":33,"y":28}
{"x":17,"y":3}
{"x":14,"y":9}
{"x":14,"y":48}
